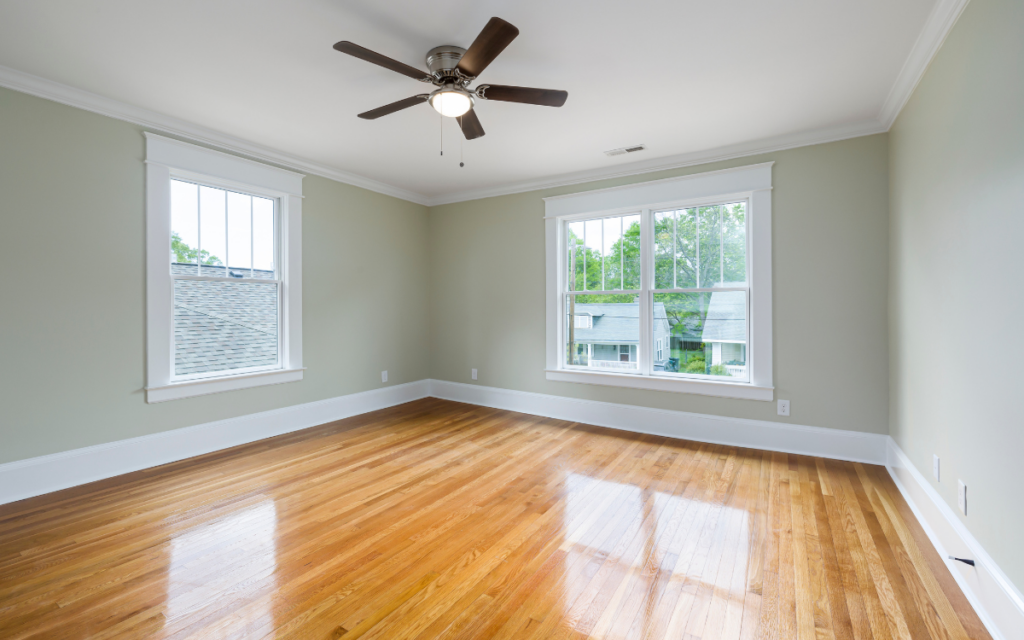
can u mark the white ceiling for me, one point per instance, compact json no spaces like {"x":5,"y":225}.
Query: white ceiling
{"x":682,"y":76}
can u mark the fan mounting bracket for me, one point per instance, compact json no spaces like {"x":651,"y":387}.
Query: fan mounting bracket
{"x":443,"y":63}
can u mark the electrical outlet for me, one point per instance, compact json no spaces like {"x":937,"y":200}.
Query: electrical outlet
{"x":383,"y":376}
{"x":783,"y":407}
{"x":961,"y":496}
{"x":935,"y":467}
{"x":474,"y":374}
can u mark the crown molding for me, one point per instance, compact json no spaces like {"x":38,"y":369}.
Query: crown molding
{"x":81,"y":99}
{"x":744,"y":149}
{"x":938,"y":25}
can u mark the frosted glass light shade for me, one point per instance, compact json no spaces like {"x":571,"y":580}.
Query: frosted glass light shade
{"x":451,"y":103}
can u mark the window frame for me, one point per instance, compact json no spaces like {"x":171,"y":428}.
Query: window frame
{"x":752,"y":184}
{"x":168,"y":159}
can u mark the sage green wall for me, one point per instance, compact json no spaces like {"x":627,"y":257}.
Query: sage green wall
{"x":957,"y":303}
{"x":830,"y":248}
{"x":72,"y":288}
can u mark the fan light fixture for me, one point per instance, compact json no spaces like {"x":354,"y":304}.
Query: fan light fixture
{"x":451,"y":70}
{"x":451,"y":103}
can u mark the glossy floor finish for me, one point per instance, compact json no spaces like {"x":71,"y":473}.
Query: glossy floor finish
{"x":445,"y":520}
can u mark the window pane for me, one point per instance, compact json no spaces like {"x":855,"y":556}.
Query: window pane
{"x":710,"y":233}
{"x":592,"y":264}
{"x":212,"y":231}
{"x":184,"y":225}
{"x":604,"y":254}
{"x":611,"y":252}
{"x":706,"y":333}
{"x":609,"y":343}
{"x":222,"y":326}
{"x":239,"y":234}
{"x":574,"y":253}
{"x":734,"y":240}
{"x":630,"y":248}
{"x":263,"y":237}
{"x":675,"y":249}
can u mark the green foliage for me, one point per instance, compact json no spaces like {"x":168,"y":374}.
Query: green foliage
{"x":621,"y":266}
{"x":186,"y":254}
{"x":720,"y":232}
{"x":718,"y":370}
{"x":695,"y":366}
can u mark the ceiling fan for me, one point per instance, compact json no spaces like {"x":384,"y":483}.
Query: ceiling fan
{"x":452,"y":69}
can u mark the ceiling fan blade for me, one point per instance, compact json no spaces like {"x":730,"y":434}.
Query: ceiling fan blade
{"x":496,"y":35}
{"x":471,"y":127}
{"x":526,"y":95}
{"x":373,"y":114}
{"x":363,"y":53}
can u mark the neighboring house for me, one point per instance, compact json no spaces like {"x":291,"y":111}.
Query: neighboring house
{"x":607,"y":335}
{"x":224,"y":326}
{"x":725,"y":331}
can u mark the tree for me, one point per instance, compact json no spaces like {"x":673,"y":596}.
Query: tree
{"x":186,"y":254}
{"x":621,"y":267}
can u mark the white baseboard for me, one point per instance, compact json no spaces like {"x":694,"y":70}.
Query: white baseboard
{"x":36,"y":476}
{"x":754,"y":434}
{"x":997,"y":601}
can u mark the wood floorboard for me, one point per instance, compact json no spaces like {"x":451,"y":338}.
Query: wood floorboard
{"x":437,"y":519}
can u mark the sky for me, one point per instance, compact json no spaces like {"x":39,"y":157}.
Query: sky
{"x":235,"y":227}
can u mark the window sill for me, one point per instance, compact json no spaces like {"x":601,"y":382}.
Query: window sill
{"x":207,"y":386}
{"x":744,"y":391}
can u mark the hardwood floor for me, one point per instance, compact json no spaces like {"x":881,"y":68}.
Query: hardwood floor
{"x":444,"y":520}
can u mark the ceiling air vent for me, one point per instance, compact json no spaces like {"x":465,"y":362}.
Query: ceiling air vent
{"x":624,"y":150}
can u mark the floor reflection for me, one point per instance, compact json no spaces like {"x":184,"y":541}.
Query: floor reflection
{"x":226,"y":563}
{"x":637,"y":558}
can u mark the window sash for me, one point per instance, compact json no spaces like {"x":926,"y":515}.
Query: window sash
{"x":220,"y":373}
{"x":277,"y":280}
{"x":647,"y":347}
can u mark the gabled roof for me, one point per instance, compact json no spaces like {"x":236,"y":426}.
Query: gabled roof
{"x":726,"y":320}
{"x":221,"y":326}
{"x":618,"y":322}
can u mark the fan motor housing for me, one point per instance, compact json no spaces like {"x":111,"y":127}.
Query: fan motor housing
{"x":442,"y":60}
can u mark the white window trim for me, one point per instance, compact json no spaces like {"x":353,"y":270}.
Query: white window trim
{"x":167,"y":159}
{"x":753,"y":183}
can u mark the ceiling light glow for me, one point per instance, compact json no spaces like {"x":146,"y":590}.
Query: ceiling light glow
{"x":451,"y":103}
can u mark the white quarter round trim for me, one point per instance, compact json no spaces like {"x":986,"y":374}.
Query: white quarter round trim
{"x":654,"y":383}
{"x":998,"y":603}
{"x":207,"y":162}
{"x":192,"y":388}
{"x":710,"y":184}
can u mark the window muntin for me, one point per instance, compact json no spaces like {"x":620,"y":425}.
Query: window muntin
{"x":226,"y":285}
{"x":696,"y":296}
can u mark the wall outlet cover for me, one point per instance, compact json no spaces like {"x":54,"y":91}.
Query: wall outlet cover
{"x":383,"y":376}
{"x":935,"y":467}
{"x":961,"y":496}
{"x":783,"y":407}
{"x":474,"y":374}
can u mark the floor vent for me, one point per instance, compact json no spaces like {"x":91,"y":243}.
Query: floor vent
{"x":624,"y":150}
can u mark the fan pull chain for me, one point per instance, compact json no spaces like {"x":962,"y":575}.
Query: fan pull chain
{"x":461,"y":163}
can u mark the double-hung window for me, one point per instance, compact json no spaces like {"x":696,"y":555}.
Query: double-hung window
{"x":674,"y":277}
{"x":223,"y":272}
